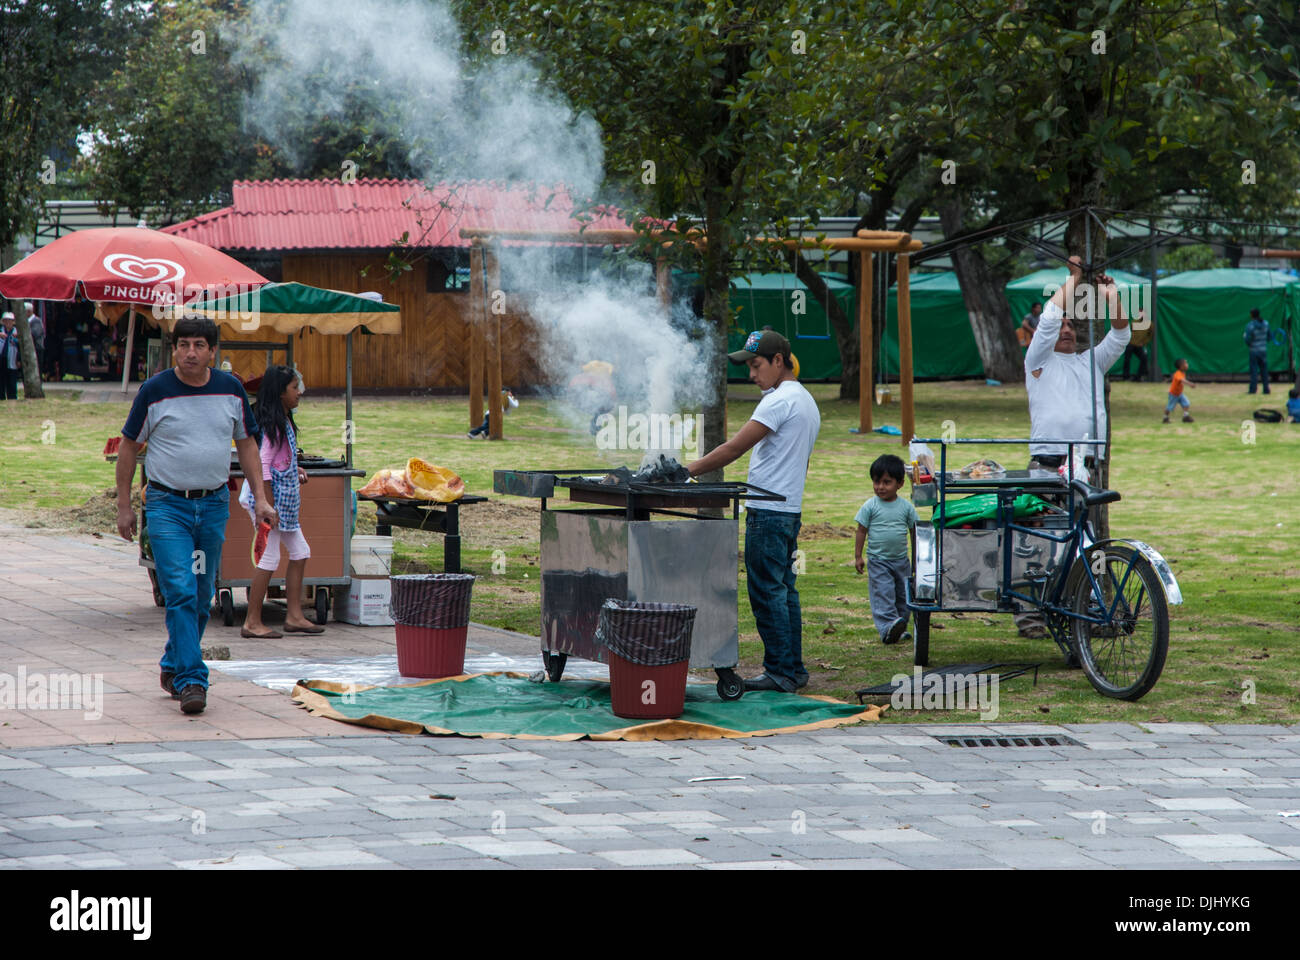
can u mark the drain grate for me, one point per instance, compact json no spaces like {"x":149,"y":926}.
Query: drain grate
{"x":1039,"y":740}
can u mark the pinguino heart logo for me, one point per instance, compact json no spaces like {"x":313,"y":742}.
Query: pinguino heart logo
{"x":152,"y":271}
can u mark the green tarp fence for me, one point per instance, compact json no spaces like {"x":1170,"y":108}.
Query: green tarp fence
{"x":1203,"y":316}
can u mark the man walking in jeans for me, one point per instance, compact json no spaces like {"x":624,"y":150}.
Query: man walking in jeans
{"x":781,"y":432}
{"x":188,"y":415}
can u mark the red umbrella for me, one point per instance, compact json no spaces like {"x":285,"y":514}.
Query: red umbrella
{"x":126,"y":265}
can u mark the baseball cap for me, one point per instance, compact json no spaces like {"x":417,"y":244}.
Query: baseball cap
{"x":760,"y":343}
{"x":7,"y":315}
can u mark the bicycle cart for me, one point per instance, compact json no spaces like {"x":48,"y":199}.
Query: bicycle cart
{"x":1105,"y":603}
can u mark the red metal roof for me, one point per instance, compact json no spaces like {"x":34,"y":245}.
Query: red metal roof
{"x":373,"y":214}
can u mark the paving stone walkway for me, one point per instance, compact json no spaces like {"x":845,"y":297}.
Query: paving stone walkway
{"x":256,"y":782}
{"x":1127,"y":797}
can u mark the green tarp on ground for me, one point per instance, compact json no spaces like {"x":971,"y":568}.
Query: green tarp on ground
{"x":1203,"y":315}
{"x":509,"y":705}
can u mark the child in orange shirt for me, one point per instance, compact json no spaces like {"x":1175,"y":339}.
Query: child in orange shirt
{"x":1176,"y":384}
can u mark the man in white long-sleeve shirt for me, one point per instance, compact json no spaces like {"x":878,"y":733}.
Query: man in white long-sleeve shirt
{"x":1057,"y":377}
{"x":1062,"y":383}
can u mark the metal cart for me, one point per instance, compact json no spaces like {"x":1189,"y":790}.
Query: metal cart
{"x":326,"y":516}
{"x":637,"y":543}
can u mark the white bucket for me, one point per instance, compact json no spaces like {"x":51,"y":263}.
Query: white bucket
{"x":372,"y":556}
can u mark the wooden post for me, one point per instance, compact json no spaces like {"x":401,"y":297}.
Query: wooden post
{"x":496,"y":306}
{"x":866,"y":260}
{"x":905,"y":347}
{"x":477,"y":301}
{"x":130,"y":346}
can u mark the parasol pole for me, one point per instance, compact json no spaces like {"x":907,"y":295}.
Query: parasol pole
{"x":347,"y":399}
{"x":130,"y":346}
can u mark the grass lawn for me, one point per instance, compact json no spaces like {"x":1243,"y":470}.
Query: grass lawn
{"x":1223,"y":506}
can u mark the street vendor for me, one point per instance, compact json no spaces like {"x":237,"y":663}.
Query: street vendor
{"x":1062,"y":383}
{"x":781,"y":431}
{"x":1060,"y":380}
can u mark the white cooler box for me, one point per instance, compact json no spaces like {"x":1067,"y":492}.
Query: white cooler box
{"x":364,"y":602}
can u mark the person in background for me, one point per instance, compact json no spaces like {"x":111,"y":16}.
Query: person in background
{"x":1025,"y":332}
{"x":781,"y":431}
{"x":1256,"y":336}
{"x":886,"y":522}
{"x":11,"y":359}
{"x":1176,"y":395}
{"x":279,"y":394}
{"x":593,"y":391}
{"x":1293,"y":404}
{"x":37,"y":326}
{"x":508,"y":403}
{"x":188,"y":415}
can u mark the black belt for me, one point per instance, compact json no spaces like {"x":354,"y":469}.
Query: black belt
{"x":1050,"y":460}
{"x":187,"y":494}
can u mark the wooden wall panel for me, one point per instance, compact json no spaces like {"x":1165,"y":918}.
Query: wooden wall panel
{"x":431,"y":351}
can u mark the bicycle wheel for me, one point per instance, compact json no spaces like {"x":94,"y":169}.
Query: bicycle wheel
{"x":1122,"y":658}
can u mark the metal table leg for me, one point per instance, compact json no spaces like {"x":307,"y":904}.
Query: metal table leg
{"x":451,"y":540}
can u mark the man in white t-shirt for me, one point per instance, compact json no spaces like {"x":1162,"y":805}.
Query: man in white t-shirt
{"x":1062,"y":384}
{"x":781,"y":432}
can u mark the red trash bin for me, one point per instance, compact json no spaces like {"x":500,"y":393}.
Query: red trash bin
{"x":431,"y":613}
{"x":649,"y":654}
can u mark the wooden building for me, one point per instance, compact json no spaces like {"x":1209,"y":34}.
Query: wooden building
{"x":345,"y":236}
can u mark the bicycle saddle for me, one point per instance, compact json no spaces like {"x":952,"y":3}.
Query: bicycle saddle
{"x":1093,"y":495}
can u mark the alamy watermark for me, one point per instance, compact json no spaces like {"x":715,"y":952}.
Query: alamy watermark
{"x":53,"y":691}
{"x":953,"y":691}
{"x":621,"y":430}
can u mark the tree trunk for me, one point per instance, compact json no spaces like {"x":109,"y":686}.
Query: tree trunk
{"x":846,"y":329}
{"x":32,"y":389}
{"x":982,"y":291}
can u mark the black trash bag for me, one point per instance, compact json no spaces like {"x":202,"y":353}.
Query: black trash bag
{"x":1268,"y":415}
{"x":438,"y":601}
{"x":649,"y":634}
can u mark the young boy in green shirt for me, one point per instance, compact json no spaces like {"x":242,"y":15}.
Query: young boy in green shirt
{"x":885,"y":523}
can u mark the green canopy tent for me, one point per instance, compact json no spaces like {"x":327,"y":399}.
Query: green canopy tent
{"x":772,"y":300}
{"x":945,"y":346}
{"x":1203,"y":315}
{"x":1039,"y":286}
{"x":289,"y":307}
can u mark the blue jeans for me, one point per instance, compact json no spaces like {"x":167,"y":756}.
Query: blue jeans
{"x":1258,"y":368}
{"x":187,"y":536}
{"x":771,"y":538}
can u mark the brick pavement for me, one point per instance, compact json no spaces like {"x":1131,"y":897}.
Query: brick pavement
{"x":257,"y":783}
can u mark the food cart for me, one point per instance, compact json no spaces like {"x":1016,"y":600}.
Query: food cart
{"x":634,"y":541}
{"x":328,"y":507}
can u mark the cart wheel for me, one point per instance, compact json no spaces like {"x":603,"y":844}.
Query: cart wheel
{"x":322,"y":606}
{"x":158,"y":600}
{"x":227,"y":599}
{"x":921,"y":640}
{"x":730,"y":686}
{"x":1122,"y":658}
{"x":553,"y":664}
